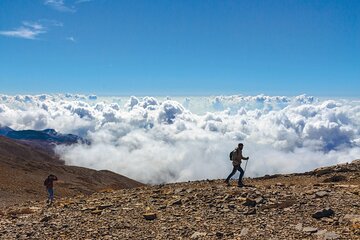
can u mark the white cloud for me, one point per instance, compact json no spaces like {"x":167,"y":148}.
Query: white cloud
{"x":31,"y":30}
{"x":71,"y":39}
{"x":60,"y":5}
{"x":160,"y":140}
{"x":33,"y":25}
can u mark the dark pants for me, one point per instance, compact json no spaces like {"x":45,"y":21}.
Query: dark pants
{"x":50,"y":194}
{"x":236,"y":168}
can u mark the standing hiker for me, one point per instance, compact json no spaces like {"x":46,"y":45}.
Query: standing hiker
{"x":49,"y":184}
{"x":236,"y":157}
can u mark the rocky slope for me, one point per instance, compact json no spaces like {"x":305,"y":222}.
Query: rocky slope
{"x":23,"y":170}
{"x":322,"y":204}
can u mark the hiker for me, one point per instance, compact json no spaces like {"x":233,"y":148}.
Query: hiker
{"x":48,"y":183}
{"x":236,"y":157}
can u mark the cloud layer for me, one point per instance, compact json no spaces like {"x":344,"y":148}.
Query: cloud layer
{"x":157,"y":140}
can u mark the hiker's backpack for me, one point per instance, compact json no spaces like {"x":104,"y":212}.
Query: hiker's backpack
{"x":232,"y":154}
{"x":46,"y":182}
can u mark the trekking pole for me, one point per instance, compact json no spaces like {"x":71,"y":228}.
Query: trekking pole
{"x":245,"y":166}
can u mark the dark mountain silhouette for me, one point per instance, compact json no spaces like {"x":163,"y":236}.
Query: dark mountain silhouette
{"x":49,"y":135}
{"x":44,"y":140}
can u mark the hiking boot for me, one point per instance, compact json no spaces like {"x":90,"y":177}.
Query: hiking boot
{"x":240,"y":185}
{"x":227,"y":183}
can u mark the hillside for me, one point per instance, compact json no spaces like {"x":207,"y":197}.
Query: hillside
{"x":321,"y":204}
{"x":24,"y":168}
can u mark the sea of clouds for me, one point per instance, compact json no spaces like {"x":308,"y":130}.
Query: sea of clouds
{"x":163,"y":139}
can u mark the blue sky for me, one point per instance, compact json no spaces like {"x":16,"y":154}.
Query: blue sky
{"x":180,"y":47}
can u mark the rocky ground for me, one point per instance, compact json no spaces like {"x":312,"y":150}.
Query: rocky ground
{"x":322,"y":204}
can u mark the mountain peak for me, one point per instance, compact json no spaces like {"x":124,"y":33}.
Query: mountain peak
{"x":50,"y":131}
{"x":5,"y":130}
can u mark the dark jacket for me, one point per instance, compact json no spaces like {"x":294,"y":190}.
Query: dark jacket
{"x":49,"y":182}
{"x":237,"y":157}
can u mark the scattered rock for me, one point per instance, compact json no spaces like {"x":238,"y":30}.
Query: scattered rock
{"x":45,"y":219}
{"x":327,"y":212}
{"x":249,"y":202}
{"x":150,"y":216}
{"x":347,"y":186}
{"x":309,"y":229}
{"x":320,"y":232}
{"x":286,"y":204}
{"x":259,"y":200}
{"x":331,"y":235}
{"x":197,"y":235}
{"x":219,"y":234}
{"x":104,"y":206}
{"x":335,"y":178}
{"x":176,"y":202}
{"x":251,"y":211}
{"x":178,"y":190}
{"x":321,"y":194}
{"x":20,"y":224}
{"x":299,"y":226}
{"x":97,"y":212}
{"x":244,"y":232}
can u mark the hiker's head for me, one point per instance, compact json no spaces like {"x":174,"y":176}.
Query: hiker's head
{"x":240,"y":146}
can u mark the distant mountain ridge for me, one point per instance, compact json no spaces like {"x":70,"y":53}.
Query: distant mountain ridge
{"x":47,"y":135}
{"x":44,"y":140}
